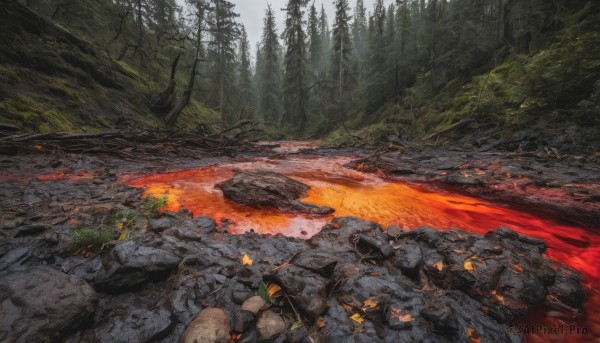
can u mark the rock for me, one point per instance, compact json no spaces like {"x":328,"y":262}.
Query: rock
{"x":137,"y":325}
{"x":307,"y":290}
{"x":409,"y":259}
{"x":14,"y":259}
{"x":267,"y":189}
{"x":241,"y":295}
{"x":270,"y":325}
{"x":31,"y":229}
{"x":160,"y":224}
{"x":254,"y":304}
{"x":319,"y":262}
{"x":372,"y":245}
{"x":243,"y":321}
{"x":442,"y":316}
{"x":210,"y":326}
{"x":42,"y":304}
{"x":130,"y":265}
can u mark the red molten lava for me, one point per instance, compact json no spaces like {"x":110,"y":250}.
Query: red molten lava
{"x":353,"y":193}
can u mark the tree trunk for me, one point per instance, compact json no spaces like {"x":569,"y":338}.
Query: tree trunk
{"x":164,"y":101}
{"x":187,"y":94}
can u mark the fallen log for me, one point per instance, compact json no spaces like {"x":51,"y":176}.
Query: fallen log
{"x":462,"y":123}
{"x":116,"y":143}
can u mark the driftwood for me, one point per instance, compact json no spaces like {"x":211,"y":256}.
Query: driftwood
{"x":122,"y":144}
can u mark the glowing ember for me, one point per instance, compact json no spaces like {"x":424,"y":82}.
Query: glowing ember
{"x":368,"y":196}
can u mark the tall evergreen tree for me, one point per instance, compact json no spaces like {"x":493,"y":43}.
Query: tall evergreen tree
{"x":222,"y":49}
{"x":294,"y":87}
{"x":245,"y":74}
{"x":325,"y":44}
{"x":315,"y":46}
{"x":359,"y":28}
{"x":269,"y":72}
{"x":342,"y":45}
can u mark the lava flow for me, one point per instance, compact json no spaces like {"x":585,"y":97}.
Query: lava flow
{"x":353,"y":193}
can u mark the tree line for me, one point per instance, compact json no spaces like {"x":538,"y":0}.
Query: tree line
{"x":311,"y":77}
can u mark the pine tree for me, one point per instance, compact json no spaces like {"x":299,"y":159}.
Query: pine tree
{"x":316,"y":46}
{"x":222,"y":50}
{"x":245,"y":75}
{"x":269,"y":72}
{"x":375,"y":76}
{"x":325,"y":44}
{"x":294,"y":87}
{"x":342,"y":45}
{"x":359,"y":28}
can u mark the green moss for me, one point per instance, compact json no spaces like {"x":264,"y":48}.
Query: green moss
{"x":9,"y":71}
{"x":196,"y":113}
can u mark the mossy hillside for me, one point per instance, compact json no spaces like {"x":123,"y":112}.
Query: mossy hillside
{"x":553,"y":88}
{"x":51,"y":80}
{"x":546,"y":88}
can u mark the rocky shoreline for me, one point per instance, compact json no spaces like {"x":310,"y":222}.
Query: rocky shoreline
{"x":177,"y":277}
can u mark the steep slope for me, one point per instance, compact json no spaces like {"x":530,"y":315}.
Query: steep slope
{"x":50,"y":80}
{"x":552,"y":91}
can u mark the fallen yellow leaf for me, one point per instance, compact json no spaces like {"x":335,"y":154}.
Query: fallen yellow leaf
{"x":271,"y":288}
{"x":357,"y":318}
{"x":439,"y":266}
{"x":469,"y":266}
{"x":38,"y":147}
{"x":473,"y":335}
{"x":246,"y":260}
{"x":371,"y":303}
{"x":397,"y":313}
{"x":518,"y":268}
{"x":498,"y":296}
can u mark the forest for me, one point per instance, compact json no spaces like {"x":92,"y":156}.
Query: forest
{"x":402,"y":68}
{"x":326,"y":171}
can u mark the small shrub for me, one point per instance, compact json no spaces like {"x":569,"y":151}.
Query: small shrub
{"x":151,"y":205}
{"x":90,"y":241}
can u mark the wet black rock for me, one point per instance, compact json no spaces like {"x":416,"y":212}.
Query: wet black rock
{"x":31,"y":229}
{"x":137,"y":325}
{"x":306,"y":289}
{"x":130,"y":265}
{"x":322,"y":263}
{"x":267,"y":189}
{"x":42,"y":304}
{"x":243,"y":321}
{"x":159,"y":224}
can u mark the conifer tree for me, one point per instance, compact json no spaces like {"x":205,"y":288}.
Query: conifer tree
{"x":342,"y":45}
{"x":269,"y":72}
{"x":245,"y":74}
{"x":222,"y":50}
{"x":294,"y":87}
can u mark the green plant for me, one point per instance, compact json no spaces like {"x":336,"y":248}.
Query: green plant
{"x":151,"y":205}
{"x":90,"y":241}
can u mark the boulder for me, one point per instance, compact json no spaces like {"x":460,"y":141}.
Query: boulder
{"x":130,"y":265}
{"x":210,"y":326}
{"x":267,"y":189}
{"x":42,"y":304}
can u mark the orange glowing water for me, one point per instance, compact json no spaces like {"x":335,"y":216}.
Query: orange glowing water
{"x":353,"y":193}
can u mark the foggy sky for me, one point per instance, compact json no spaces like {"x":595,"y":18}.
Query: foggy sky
{"x":252,"y":13}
